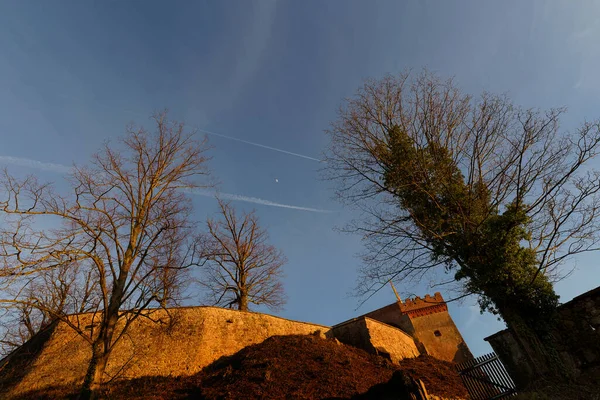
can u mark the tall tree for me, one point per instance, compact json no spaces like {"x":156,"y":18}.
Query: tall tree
{"x":241,"y":268}
{"x":493,"y":193}
{"x":126,"y":221}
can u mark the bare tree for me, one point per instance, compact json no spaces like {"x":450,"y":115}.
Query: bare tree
{"x":242,"y":268}
{"x":497,"y":195}
{"x":126,"y":221}
{"x":51,"y":294}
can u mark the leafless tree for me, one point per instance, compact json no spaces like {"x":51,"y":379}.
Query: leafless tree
{"x":242,"y":268}
{"x":126,"y":222}
{"x":51,"y":294}
{"x":432,"y":169}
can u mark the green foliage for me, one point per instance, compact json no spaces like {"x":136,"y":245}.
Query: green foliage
{"x":480,"y":242}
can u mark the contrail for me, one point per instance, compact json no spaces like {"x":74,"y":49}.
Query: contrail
{"x":106,"y":106}
{"x":255,"y":200}
{"x":260,"y":145}
{"x":26,"y":162}
{"x":63,"y":169}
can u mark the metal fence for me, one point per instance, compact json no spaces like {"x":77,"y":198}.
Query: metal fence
{"x":486,"y":378}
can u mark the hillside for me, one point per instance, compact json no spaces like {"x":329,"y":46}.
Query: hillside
{"x":296,"y":366}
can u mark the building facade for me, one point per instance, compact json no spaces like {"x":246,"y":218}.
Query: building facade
{"x":428,"y":322}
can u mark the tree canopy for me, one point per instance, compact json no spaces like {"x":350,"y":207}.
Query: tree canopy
{"x":492,"y":193}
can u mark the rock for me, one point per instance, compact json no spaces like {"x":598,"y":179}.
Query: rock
{"x":319,"y":333}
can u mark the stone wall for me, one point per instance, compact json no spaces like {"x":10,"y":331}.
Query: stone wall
{"x":354,"y":333}
{"x":430,"y":324}
{"x":376,"y":337}
{"x":386,"y":338}
{"x":576,"y":340}
{"x":390,"y":314}
{"x":192,"y":339}
{"x":416,"y":304}
{"x":440,"y":337}
{"x":580,"y":329}
{"x":513,"y":357}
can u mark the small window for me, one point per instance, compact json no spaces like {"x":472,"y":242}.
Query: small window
{"x":437,"y":333}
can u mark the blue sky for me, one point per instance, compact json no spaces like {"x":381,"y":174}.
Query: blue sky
{"x":73,"y":74}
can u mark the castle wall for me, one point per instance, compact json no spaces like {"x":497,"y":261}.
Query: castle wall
{"x":353,"y":333}
{"x":386,"y":338}
{"x":197,"y":337}
{"x":576,"y":339}
{"x":190,"y":338}
{"x":513,"y":357}
{"x":422,"y":318}
{"x":390,"y":315}
{"x":376,"y":337}
{"x":449,"y":345}
{"x":579,"y":322}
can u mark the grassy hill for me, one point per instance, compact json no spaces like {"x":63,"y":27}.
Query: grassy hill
{"x":284,"y":367}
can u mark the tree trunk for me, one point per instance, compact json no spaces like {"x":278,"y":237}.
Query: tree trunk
{"x":95,"y":371}
{"x":243,"y":301}
{"x":100,"y":352}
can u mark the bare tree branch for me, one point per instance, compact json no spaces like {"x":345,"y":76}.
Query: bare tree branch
{"x":241,"y":267}
{"x":125,"y":226}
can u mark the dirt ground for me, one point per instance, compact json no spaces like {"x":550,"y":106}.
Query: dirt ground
{"x":308,"y":367}
{"x":293,"y":367}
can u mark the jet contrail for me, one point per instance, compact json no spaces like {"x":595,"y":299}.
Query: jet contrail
{"x":106,"y":106}
{"x":259,"y":145}
{"x":63,"y":169}
{"x":26,"y":162}
{"x":255,"y":200}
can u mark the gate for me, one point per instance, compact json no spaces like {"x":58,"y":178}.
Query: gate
{"x":486,"y":378}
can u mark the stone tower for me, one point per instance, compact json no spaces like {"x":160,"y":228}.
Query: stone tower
{"x":429,"y":323}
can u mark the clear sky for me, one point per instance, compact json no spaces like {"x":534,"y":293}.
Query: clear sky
{"x":74,"y":73}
